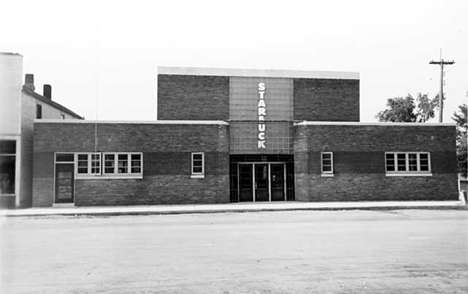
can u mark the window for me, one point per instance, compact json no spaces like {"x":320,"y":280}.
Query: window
{"x":65,"y":157}
{"x":135,"y":163}
{"x":122,"y":160}
{"x":407,"y":163}
{"x":123,"y":163}
{"x":327,"y":163}
{"x":114,"y":165}
{"x":7,"y":166}
{"x":38,"y":111}
{"x":198,"y":164}
{"x":88,"y":163}
{"x":109,"y":164}
{"x":62,"y":116}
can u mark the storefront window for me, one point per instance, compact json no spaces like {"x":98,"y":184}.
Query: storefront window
{"x":7,"y":166}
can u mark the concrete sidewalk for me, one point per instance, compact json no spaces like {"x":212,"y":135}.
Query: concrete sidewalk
{"x":230,"y":207}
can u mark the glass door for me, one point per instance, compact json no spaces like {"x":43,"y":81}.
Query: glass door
{"x":245,"y":182}
{"x":277,"y":182}
{"x":262,"y":189}
{"x":261,"y":182}
{"x":64,"y":181}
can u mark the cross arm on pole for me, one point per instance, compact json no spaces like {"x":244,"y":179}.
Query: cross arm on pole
{"x":441,"y":62}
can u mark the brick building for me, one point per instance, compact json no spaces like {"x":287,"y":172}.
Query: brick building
{"x":229,"y":135}
{"x":20,"y":105}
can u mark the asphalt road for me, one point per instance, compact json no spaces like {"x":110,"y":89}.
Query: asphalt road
{"x":406,"y":251}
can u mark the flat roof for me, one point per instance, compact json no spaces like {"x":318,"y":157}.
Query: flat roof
{"x":388,"y":124}
{"x":221,"y":122}
{"x":155,"y":122}
{"x":264,"y":73}
{"x":10,"y":53}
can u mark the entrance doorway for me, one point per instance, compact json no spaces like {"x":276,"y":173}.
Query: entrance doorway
{"x":64,"y":178}
{"x":64,"y":183}
{"x":262,"y":181}
{"x":261,"y":177}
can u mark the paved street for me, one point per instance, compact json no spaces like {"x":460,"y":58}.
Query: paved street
{"x":404,"y":251}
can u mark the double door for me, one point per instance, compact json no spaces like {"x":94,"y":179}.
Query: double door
{"x":262,"y":182}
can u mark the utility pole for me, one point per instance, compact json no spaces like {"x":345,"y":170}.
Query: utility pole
{"x":441,"y":62}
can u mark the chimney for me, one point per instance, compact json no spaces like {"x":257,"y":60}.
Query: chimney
{"x":29,"y":82}
{"x":47,"y":91}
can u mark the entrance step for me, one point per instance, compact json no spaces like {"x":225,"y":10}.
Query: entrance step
{"x":63,"y":205}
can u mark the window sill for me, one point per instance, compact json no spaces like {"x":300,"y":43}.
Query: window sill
{"x":408,"y":174}
{"x":328,"y":175}
{"x":197,"y":176}
{"x":110,"y":177}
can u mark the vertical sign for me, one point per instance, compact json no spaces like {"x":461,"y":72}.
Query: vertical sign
{"x":261,"y":116}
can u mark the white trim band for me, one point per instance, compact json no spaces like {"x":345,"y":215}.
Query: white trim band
{"x":408,"y":175}
{"x":383,"y":124}
{"x":109,"y":177}
{"x":264,"y":73}
{"x":156,"y":122}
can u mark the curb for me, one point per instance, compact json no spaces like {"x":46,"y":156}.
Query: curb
{"x":233,"y":210}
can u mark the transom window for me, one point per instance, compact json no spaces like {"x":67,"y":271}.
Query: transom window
{"x":407,"y":163}
{"x":327,"y":162}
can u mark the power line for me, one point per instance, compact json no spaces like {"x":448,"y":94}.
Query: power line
{"x":441,"y":62}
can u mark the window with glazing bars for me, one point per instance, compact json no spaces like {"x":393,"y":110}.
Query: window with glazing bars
{"x":122,"y":163}
{"x":88,"y":163}
{"x":327,"y":162}
{"x":198,"y":163}
{"x":407,"y":162}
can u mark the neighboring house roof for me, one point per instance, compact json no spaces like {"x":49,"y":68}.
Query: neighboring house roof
{"x":52,"y":103}
{"x":10,"y":53}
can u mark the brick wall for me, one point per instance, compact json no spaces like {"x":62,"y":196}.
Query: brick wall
{"x":326,"y":100}
{"x":359,"y":162}
{"x":166,"y":152}
{"x":28,"y":114}
{"x":183,"y":97}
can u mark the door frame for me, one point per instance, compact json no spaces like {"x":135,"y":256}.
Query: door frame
{"x":268,"y":163}
{"x":55,"y":177}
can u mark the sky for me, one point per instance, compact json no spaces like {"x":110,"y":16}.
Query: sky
{"x":101,"y":57}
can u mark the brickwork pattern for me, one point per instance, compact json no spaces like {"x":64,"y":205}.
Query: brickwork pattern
{"x":153,"y":190}
{"x":121,"y":137}
{"x":326,"y":100}
{"x":43,"y":193}
{"x":166,"y":163}
{"x":183,"y":97}
{"x":377,"y":187}
{"x":359,"y":162}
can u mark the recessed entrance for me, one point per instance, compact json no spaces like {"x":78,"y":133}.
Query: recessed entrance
{"x":262,"y":181}
{"x":261,"y":177}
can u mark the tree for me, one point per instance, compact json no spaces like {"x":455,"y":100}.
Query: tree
{"x":462,"y":129}
{"x":401,"y":109}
